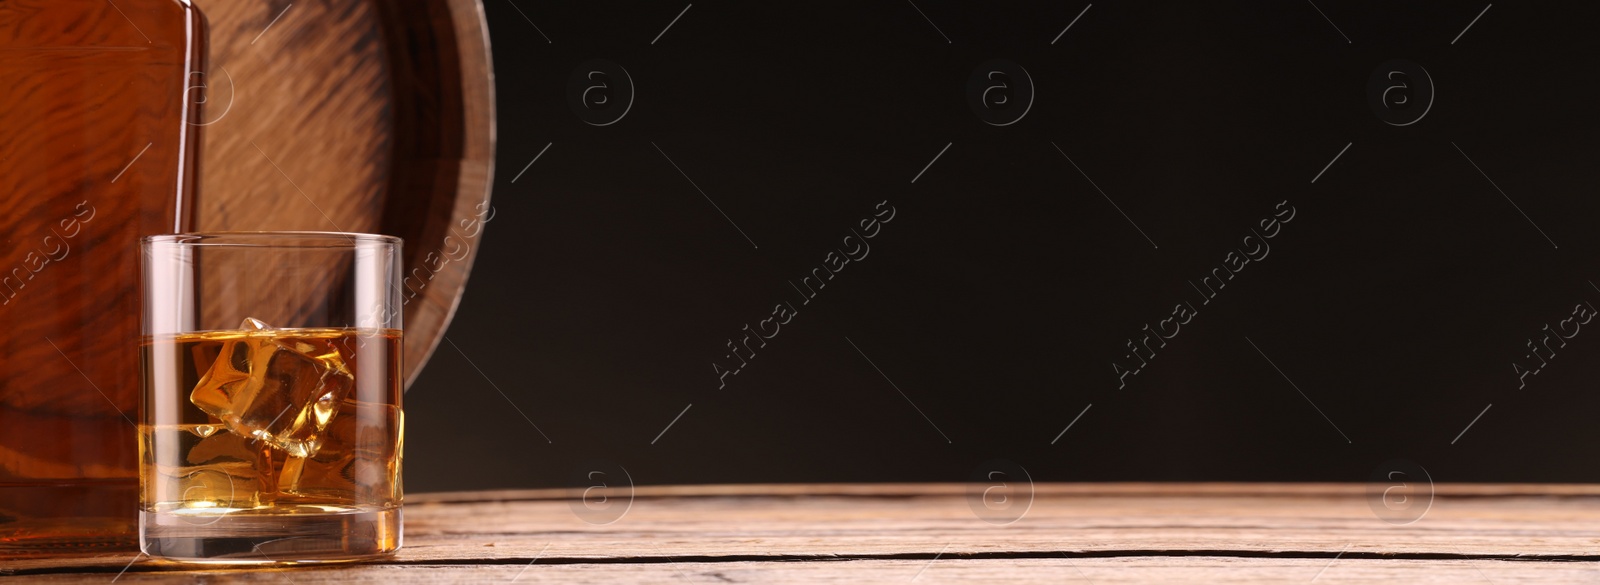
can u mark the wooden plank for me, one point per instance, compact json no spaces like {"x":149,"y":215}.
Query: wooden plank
{"x":1103,"y":571}
{"x":774,"y":529}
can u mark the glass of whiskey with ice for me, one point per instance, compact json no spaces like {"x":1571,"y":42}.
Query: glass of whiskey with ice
{"x":270,"y":423}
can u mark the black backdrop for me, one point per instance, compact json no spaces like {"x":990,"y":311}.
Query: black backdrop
{"x":1394,"y":308}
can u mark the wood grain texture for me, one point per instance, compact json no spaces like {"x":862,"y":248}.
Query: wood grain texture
{"x":1091,"y":533}
{"x":357,"y":116}
{"x":1091,"y":571}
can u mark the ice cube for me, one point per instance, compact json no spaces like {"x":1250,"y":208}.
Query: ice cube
{"x":359,"y":459}
{"x":208,"y":469}
{"x":270,"y":385}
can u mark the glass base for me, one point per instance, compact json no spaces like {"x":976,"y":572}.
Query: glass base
{"x":283,"y":536}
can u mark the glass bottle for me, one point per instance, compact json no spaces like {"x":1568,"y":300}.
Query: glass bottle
{"x":99,"y":103}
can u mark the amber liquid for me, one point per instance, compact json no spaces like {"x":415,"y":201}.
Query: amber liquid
{"x":96,"y":149}
{"x":272,"y":445}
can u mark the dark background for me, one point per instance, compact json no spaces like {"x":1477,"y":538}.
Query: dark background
{"x":998,"y":298}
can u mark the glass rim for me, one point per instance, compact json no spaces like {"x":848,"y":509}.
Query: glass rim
{"x":272,"y":239}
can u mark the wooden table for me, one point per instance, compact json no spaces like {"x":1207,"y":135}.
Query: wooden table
{"x":1077,"y":533}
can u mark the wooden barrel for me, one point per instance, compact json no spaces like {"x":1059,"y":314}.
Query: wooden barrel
{"x":369,"y":116}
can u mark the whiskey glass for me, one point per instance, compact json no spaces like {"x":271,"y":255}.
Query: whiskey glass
{"x":270,"y":422}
